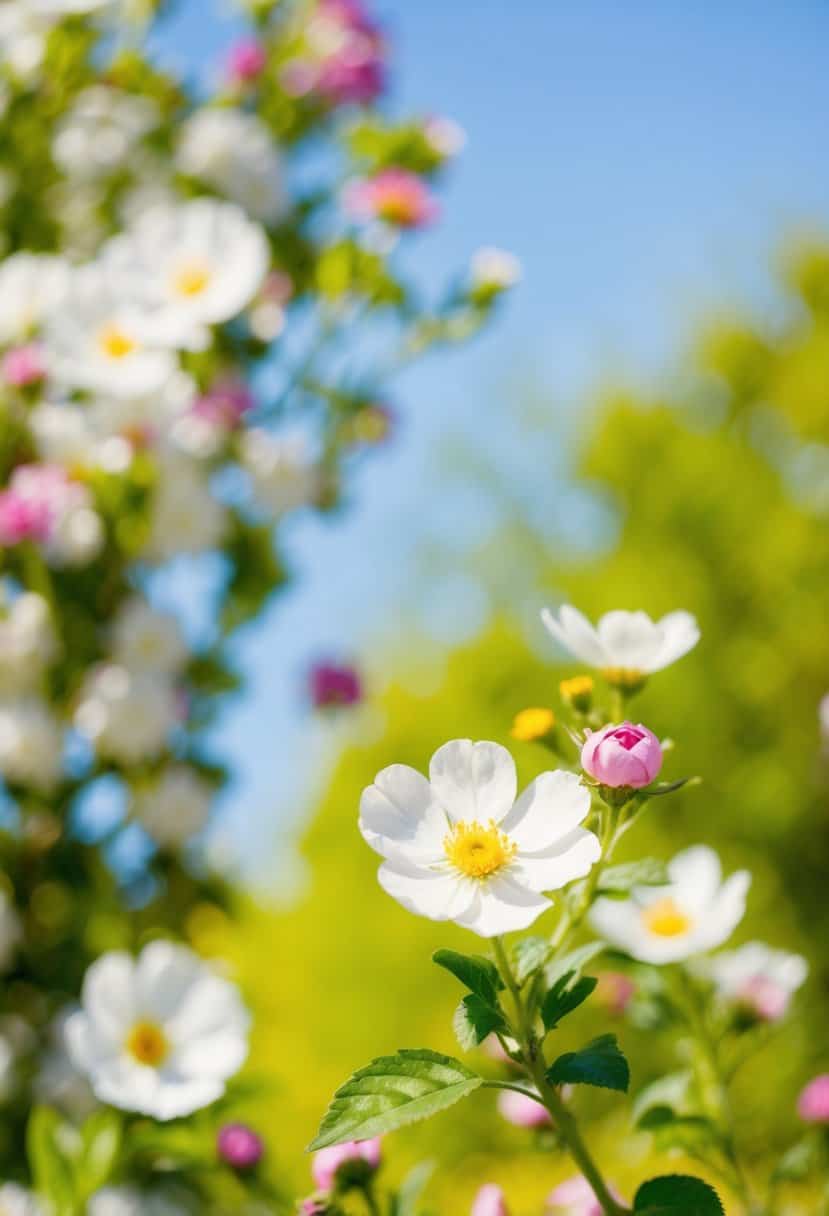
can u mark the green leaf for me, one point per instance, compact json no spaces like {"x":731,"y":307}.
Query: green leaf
{"x":670,"y":1130}
{"x":670,"y":1091}
{"x":575,"y":961}
{"x":480,"y":1020}
{"x":392,"y":1092}
{"x":476,"y":972}
{"x":620,"y":880}
{"x":799,"y":1161}
{"x":600,"y":1063}
{"x":528,"y":955}
{"x":677,"y":1195}
{"x":100,"y":1146}
{"x":407,"y":1199}
{"x":566,"y":994}
{"x":52,"y":1170}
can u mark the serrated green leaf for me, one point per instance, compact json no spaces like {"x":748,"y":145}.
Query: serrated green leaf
{"x":527,"y":956}
{"x":392,"y":1092}
{"x":670,"y":1091}
{"x":600,"y":1063}
{"x":677,"y":1195}
{"x":566,"y":994}
{"x":463,"y":1029}
{"x":621,"y":879}
{"x":476,"y":972}
{"x":575,"y":961}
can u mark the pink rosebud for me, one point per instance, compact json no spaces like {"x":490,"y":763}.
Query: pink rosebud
{"x":489,"y":1201}
{"x":522,"y":1111}
{"x":312,"y":1207}
{"x":625,"y":755}
{"x":334,"y":684}
{"x":615,"y":991}
{"x":395,"y":196}
{"x":239,"y":1146}
{"x":813,"y":1103}
{"x":23,"y":365}
{"x":354,"y":1160}
{"x":245,"y":61}
{"x":576,"y":1197}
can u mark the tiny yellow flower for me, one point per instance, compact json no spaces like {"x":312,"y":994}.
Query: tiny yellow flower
{"x":533,"y":723}
{"x":577,"y":692}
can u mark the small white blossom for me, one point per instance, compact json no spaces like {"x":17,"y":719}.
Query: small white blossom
{"x":494,"y":269}
{"x":17,"y":1201}
{"x":101,"y":131}
{"x":757,"y":977}
{"x":185,"y":517}
{"x":27,"y":641}
{"x":126,"y":715}
{"x":160,"y":1034}
{"x":174,"y":807}
{"x":32,"y":287}
{"x":129,"y":1201}
{"x":624,"y":642}
{"x":459,"y":847}
{"x":31,"y":744}
{"x":145,"y":639}
{"x":235,"y":153}
{"x":282,"y":471}
{"x":697,"y":911}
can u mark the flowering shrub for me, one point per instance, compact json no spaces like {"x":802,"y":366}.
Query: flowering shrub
{"x":184,"y":288}
{"x":460,"y":846}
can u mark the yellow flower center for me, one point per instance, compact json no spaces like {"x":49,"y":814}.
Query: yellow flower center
{"x":630,"y":679}
{"x":478,"y":851}
{"x":147,"y":1043}
{"x":665,"y":918}
{"x":533,"y":723}
{"x":115,"y":342}
{"x":191,"y":278}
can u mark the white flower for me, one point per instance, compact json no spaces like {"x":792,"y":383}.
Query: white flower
{"x":281,"y":470}
{"x":494,"y":269}
{"x":185,"y":518}
{"x":32,"y":287}
{"x":102,"y":339}
{"x":31,"y":744}
{"x":175,"y":807}
{"x":202,"y":263}
{"x":126,"y":715}
{"x":160,"y":1034}
{"x":696,"y":912}
{"x":627,"y":644}
{"x":757,"y":977}
{"x":129,"y":1201}
{"x":17,"y":1201}
{"x":27,"y":641}
{"x":459,"y":847}
{"x":234,"y":152}
{"x":101,"y":130}
{"x":145,"y":639}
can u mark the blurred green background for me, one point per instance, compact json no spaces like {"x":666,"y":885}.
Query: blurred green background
{"x":714,"y":489}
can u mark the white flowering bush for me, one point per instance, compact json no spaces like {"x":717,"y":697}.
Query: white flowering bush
{"x":462,"y":844}
{"x":200,"y":299}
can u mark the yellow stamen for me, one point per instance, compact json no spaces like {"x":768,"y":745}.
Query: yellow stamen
{"x":147,"y":1044}
{"x":577,"y":692}
{"x":478,"y":851}
{"x":115,"y":342}
{"x":665,"y":918}
{"x":533,"y":723}
{"x":629,"y":679}
{"x":191,"y":278}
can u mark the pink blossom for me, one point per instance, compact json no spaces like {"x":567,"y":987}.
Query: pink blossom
{"x":813,"y":1103}
{"x":575,"y":1197}
{"x":625,"y":755}
{"x":394,"y":195}
{"x":489,"y":1201}
{"x":328,"y":1162}
{"x":35,"y":499}
{"x":245,"y":61}
{"x":239,"y":1146}
{"x":615,"y":991}
{"x":764,"y":997}
{"x":354,"y":70}
{"x":23,"y":365}
{"x":225,"y":403}
{"x":334,"y":684}
{"x":522,"y":1111}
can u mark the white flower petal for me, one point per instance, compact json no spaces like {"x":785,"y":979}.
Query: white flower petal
{"x":474,"y":781}
{"x":164,"y":974}
{"x":108,"y":995}
{"x":575,"y":634}
{"x":569,"y":858}
{"x":400,"y":811}
{"x":696,"y":875}
{"x":680,"y":633}
{"x":549,"y":808}
{"x":502,"y":904}
{"x":630,"y":639}
{"x":436,"y":894}
{"x":217,"y":1056}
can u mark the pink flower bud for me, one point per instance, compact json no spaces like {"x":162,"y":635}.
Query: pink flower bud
{"x":575,"y":1197}
{"x":489,"y":1201}
{"x":239,"y":1146}
{"x":356,"y":1159}
{"x":246,"y":60}
{"x":23,"y":365}
{"x":764,"y":998}
{"x":395,"y":196}
{"x":522,"y":1111}
{"x":615,"y":991}
{"x":813,"y":1103}
{"x":625,"y":755}
{"x":333,"y":684}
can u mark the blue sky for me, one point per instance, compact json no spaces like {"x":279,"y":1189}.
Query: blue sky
{"x":644,"y":160}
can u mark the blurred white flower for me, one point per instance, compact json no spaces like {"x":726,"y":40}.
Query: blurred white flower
{"x":102,"y":339}
{"x":27,"y":641}
{"x":127,"y":716}
{"x":494,"y":269}
{"x":282,"y":471}
{"x":235,"y":153}
{"x":145,"y":417}
{"x":129,"y":1201}
{"x":624,"y":642}
{"x":186,"y":518}
{"x":101,"y":131}
{"x":202,"y":262}
{"x":758,"y":978}
{"x":145,"y":639}
{"x":160,"y":1034}
{"x":696,"y":912}
{"x":17,"y":1201}
{"x":32,"y":286}
{"x":175,"y":806}
{"x":57,"y":1081}
{"x":459,"y":847}
{"x":31,"y":744}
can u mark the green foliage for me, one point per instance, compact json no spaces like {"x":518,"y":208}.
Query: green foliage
{"x":479,"y":974}
{"x":600,"y":1063}
{"x":566,"y":994}
{"x":619,"y":881}
{"x":677,"y":1195}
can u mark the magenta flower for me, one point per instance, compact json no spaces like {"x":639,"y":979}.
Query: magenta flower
{"x":625,"y":755}
{"x":340,"y":1162}
{"x":576,"y":1197}
{"x":23,"y":365}
{"x":395,"y":196}
{"x":522,"y":1111}
{"x":36,"y":497}
{"x":333,"y":684}
{"x":245,"y":61}
{"x":239,"y":1146}
{"x":225,"y":403}
{"x":354,"y":70}
{"x":813,"y":1103}
{"x":489,"y":1201}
